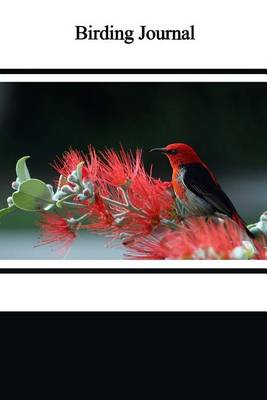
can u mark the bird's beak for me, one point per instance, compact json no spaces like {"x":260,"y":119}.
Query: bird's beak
{"x":161,"y":149}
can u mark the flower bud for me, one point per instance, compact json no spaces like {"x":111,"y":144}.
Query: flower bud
{"x":243,"y":252}
{"x":71,"y":221}
{"x":86,"y":193}
{"x":237,"y":253}
{"x":73,"y":177}
{"x":199,"y":254}
{"x":263,"y":217}
{"x":15,"y":185}
{"x":10,"y":201}
{"x":89,"y":187}
{"x":58,"y":195}
{"x":67,"y":189}
{"x":212,"y":253}
{"x":261,"y":226}
{"x":248,"y":248}
{"x":81,"y":197}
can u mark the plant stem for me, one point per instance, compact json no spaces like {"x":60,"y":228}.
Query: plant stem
{"x":169,"y":223}
{"x":78,"y":220}
{"x":127,"y":206}
{"x":125,"y":195}
{"x":131,"y":206}
{"x":69,"y":203}
{"x":114,"y":202}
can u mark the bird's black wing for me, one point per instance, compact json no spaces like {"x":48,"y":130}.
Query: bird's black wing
{"x":199,"y":181}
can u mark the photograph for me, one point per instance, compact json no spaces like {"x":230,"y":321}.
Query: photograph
{"x":133,"y":170}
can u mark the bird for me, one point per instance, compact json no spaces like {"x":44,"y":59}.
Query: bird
{"x":196,"y":187}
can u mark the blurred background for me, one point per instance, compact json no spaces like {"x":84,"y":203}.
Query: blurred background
{"x":225,"y":122}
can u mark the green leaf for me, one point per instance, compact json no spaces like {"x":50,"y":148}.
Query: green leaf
{"x":22,"y":170}
{"x":7,"y":210}
{"x":33,"y":195}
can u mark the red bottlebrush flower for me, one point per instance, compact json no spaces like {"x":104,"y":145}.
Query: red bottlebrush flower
{"x":151,"y":196}
{"x":68,"y":163}
{"x":118,"y":169}
{"x":139,"y":223}
{"x":199,"y":239}
{"x":146,"y":248}
{"x":153,"y":199}
{"x":147,"y":199}
{"x":70,"y":160}
{"x":100,"y":216}
{"x":57,"y":230}
{"x":90,"y":170}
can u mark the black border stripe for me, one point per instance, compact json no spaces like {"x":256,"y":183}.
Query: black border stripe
{"x":139,"y":71}
{"x":150,"y":71}
{"x":133,"y":270}
{"x":146,"y":316}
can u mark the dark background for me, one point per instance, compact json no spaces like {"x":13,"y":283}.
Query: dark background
{"x":225,"y":122}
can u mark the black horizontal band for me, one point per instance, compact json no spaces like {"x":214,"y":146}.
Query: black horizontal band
{"x":133,"y":270}
{"x":150,"y":71}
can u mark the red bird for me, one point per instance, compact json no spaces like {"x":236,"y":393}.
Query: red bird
{"x":195,"y":185}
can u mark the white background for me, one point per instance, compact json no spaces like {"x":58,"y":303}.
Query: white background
{"x":133,"y":292}
{"x":229,"y":34}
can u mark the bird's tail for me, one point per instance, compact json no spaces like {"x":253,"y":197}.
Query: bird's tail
{"x":242,"y":225}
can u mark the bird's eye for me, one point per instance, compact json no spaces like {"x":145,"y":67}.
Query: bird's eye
{"x":172,"y":152}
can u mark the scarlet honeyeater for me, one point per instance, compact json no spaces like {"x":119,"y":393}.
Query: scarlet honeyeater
{"x":195,"y":185}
